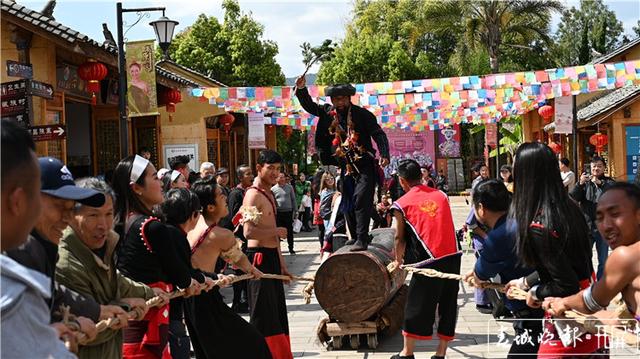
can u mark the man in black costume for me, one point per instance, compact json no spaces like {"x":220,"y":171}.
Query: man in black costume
{"x":343,"y":138}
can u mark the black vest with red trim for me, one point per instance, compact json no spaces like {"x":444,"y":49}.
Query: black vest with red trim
{"x":136,"y":259}
{"x":428,"y":218}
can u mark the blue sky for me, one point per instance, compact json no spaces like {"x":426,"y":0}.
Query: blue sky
{"x":287,"y":22}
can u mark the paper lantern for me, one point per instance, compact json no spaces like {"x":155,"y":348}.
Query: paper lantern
{"x":287,"y":131}
{"x":93,"y":72}
{"x":546,"y":112}
{"x":555,"y":147}
{"x":226,"y":121}
{"x":599,"y":140}
{"x":170,"y":98}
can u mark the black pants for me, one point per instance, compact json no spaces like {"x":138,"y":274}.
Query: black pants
{"x":358,"y":219}
{"x":285,"y":219}
{"x":179,"y":341}
{"x":426,"y":295}
{"x":527,"y":325}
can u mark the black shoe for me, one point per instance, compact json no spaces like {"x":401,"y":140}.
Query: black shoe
{"x":350,"y":242}
{"x":292,"y":252}
{"x":358,"y":246}
{"x":398,"y":356}
{"x":484,"y":308}
{"x":437,"y":357}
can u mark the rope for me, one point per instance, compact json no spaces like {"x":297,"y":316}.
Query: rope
{"x":591,"y":324}
{"x":136,"y":314}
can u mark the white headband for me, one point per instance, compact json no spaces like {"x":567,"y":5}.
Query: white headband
{"x":139,"y":165}
{"x":174,"y":175}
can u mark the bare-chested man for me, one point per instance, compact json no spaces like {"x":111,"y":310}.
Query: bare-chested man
{"x":267,"y":304}
{"x":618,"y":220}
{"x":216,"y":331}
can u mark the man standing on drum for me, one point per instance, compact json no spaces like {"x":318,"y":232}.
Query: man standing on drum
{"x":425,"y":237}
{"x":343,"y":138}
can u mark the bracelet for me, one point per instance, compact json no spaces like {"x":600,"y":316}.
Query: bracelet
{"x":590,"y":302}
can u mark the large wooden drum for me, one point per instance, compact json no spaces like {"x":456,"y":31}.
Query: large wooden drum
{"x":354,"y":286}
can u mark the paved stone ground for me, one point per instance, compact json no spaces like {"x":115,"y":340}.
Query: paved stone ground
{"x":476,"y":333}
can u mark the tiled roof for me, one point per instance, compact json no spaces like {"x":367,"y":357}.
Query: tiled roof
{"x":175,"y":77}
{"x":73,"y":37}
{"x":608,"y":102}
{"x":51,"y":26}
{"x":620,"y":50}
{"x":196,"y":73}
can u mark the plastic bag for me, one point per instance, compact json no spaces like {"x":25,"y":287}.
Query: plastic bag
{"x":297,"y":226}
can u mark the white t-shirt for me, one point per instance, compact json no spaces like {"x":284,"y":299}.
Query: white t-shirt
{"x":568,"y":179}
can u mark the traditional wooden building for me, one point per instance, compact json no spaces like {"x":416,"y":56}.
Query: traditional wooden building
{"x":614,"y":113}
{"x":90,"y":144}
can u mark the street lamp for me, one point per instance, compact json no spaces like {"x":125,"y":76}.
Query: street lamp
{"x":164,"y":32}
{"x":163,"y":28}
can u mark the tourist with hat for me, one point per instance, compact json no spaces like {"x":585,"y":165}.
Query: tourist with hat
{"x":58,"y":195}
{"x":25,"y":329}
{"x":222,"y":178}
{"x":343,"y":138}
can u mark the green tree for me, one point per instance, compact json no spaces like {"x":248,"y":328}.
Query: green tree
{"x":598,"y":28}
{"x":636,"y":29}
{"x":232,"y":52}
{"x":492,"y":24}
{"x":382,"y":43}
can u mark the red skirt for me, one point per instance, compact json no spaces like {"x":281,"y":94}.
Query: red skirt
{"x":148,"y":338}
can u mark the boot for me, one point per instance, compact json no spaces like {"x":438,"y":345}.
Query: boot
{"x":359,"y":246}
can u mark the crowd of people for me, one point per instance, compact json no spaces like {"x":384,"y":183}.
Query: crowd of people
{"x":80,"y":252}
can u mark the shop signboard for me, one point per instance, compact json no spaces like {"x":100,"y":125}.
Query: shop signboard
{"x":563,"y":107}
{"x":18,"y":69}
{"x":48,"y":132}
{"x":632,"y":140}
{"x":190,"y":150}
{"x":256,"y":130}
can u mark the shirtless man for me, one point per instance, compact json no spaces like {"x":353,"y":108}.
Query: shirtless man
{"x":216,"y":331}
{"x":267,"y":305}
{"x":618,"y":221}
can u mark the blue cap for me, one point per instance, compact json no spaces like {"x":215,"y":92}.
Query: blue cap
{"x":57,"y":181}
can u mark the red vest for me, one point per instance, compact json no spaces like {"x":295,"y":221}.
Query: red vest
{"x":427,"y":213}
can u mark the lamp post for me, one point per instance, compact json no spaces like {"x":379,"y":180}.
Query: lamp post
{"x":163,"y":28}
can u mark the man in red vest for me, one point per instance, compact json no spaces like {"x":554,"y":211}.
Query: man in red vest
{"x":425,"y":237}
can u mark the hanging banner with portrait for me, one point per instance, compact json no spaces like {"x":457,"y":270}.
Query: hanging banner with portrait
{"x":449,"y":142}
{"x":141,"y":79}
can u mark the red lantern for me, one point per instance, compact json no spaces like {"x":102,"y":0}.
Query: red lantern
{"x":226,"y":121}
{"x":555,"y":147}
{"x":546,"y":112}
{"x":599,"y":140}
{"x":287,"y":131}
{"x":170,"y":98}
{"x":93,"y":72}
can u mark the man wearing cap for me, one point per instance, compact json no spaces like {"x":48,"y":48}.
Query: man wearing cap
{"x":58,"y":195}
{"x":25,"y":331}
{"x":342,"y":123}
{"x":222,"y":177}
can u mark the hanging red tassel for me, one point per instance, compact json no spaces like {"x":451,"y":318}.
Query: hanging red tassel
{"x":94,"y":101}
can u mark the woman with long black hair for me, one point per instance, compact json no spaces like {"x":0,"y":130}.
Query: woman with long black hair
{"x":146,"y":254}
{"x":552,"y":236}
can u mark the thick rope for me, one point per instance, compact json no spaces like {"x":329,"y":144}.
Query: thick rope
{"x":156,"y":301}
{"x":590,"y":323}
